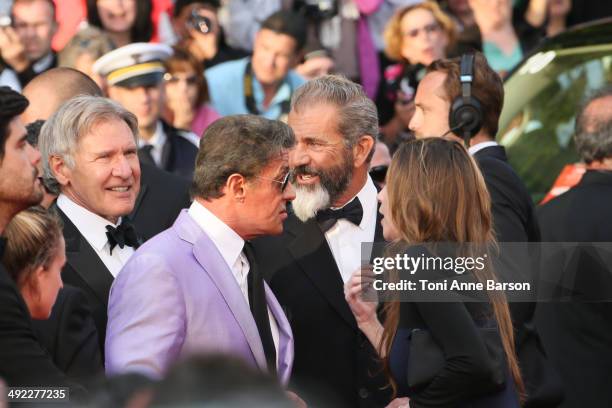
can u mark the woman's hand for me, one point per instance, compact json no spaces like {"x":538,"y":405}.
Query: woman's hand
{"x":356,"y":287}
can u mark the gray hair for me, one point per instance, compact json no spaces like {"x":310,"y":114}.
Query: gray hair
{"x":593,"y":135}
{"x":242,"y":144}
{"x":60,"y":134}
{"x":357,"y":114}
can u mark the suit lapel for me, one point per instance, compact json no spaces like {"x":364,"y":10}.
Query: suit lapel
{"x":210,"y":259}
{"x":285,"y":350}
{"x":312,"y":254}
{"x":143,"y":191}
{"x":85,"y":261}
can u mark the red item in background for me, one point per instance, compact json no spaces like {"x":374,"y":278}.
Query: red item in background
{"x":69,"y":14}
{"x":159,"y":6}
{"x":568,"y":178}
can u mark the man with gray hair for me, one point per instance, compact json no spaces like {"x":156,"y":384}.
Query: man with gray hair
{"x":89,"y":147}
{"x":577,"y":333}
{"x":203,"y":291}
{"x":335,"y":210}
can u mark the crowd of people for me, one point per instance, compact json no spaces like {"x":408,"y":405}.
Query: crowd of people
{"x":186,"y":188}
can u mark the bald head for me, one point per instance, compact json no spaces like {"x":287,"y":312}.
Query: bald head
{"x":593,"y":135}
{"x":49,"y":90}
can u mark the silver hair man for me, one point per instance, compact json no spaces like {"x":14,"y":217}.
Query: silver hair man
{"x":353,"y":119}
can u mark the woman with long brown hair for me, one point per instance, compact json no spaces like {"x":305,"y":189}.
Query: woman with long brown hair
{"x":435,"y":194}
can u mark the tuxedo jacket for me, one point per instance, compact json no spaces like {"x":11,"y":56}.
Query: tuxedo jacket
{"x":577,"y":328}
{"x":178,"y":153}
{"x":84,"y":270}
{"x":23,"y":361}
{"x":332,"y":355}
{"x":177,"y":296}
{"x":161,"y":198}
{"x":70,"y":336}
{"x":514,"y":220}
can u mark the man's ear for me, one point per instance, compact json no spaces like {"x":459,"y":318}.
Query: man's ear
{"x":60,"y":170}
{"x":235,"y":187}
{"x":362,"y":149}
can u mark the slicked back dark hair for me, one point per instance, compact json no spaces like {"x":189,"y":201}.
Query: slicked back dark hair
{"x":288,"y":23}
{"x":12,"y":104}
{"x":239,"y":144}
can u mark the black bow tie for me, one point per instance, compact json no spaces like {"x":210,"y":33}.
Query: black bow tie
{"x":352,"y":212}
{"x":124,"y":234}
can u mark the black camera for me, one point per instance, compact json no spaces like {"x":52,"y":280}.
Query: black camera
{"x":200,"y":23}
{"x":317,"y":9}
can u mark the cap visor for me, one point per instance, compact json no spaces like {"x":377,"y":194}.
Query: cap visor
{"x":150,"y":79}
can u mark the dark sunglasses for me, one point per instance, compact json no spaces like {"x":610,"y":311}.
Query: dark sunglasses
{"x":378,"y":173}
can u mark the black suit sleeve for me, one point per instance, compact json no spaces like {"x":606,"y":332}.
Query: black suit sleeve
{"x":70,"y":335}
{"x":453,"y":328}
{"x":23,"y":362}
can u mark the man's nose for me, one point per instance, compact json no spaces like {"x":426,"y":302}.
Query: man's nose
{"x":34,"y":156}
{"x":289,"y":193}
{"x":122,"y":168}
{"x":298,"y":157}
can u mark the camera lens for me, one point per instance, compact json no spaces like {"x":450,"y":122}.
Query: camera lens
{"x":201,"y":23}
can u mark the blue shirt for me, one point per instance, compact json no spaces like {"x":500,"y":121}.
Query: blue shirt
{"x":226,"y":90}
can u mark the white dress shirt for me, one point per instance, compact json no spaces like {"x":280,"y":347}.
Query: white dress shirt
{"x":345,"y":238}
{"x":230,"y":245}
{"x":478,"y":147}
{"x":157,"y":141}
{"x":93,"y":228}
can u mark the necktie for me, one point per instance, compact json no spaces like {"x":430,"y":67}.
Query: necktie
{"x":259,"y":308}
{"x":352,"y":212}
{"x":124,"y":234}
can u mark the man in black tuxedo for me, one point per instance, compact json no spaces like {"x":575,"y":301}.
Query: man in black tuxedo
{"x":334,"y":212}
{"x":577,"y":330}
{"x":89,"y":150}
{"x":162,"y":195}
{"x":445,"y":85}
{"x":22,"y":360}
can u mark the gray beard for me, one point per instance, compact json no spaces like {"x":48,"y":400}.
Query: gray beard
{"x":309,"y":200}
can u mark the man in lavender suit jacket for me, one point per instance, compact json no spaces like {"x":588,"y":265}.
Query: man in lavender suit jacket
{"x":194,"y":288}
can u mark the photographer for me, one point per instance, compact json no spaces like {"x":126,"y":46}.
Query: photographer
{"x":25,"y":44}
{"x":262,"y":84}
{"x":196,"y":24}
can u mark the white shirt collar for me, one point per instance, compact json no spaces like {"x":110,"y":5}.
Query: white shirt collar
{"x":157,"y":141}
{"x":478,"y":147}
{"x":227,"y":241}
{"x":90,"y":225}
{"x":367,"y":198}
{"x":43,"y":64}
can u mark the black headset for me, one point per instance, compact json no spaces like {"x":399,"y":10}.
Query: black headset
{"x":465,"y":117}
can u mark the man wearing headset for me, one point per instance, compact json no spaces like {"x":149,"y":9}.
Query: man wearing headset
{"x":462,"y":99}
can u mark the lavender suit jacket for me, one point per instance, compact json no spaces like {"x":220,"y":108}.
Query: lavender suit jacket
{"x":176,"y":296}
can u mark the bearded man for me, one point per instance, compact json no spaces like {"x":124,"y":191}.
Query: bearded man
{"x":335,"y":210}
